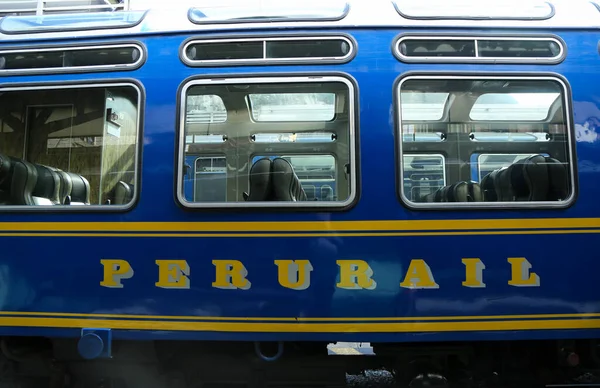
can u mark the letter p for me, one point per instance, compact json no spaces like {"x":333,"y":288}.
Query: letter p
{"x":115,"y":270}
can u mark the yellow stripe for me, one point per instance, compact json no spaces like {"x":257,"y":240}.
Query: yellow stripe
{"x":374,"y":234}
{"x":302,"y":319}
{"x":468,"y":226}
{"x":303,"y":327}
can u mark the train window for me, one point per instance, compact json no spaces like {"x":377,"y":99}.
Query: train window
{"x":424,"y":106}
{"x":485,"y":164}
{"x":501,"y":142}
{"x":69,"y":145}
{"x":467,"y":10}
{"x":292,"y":106}
{"x":205,"y":109}
{"x":423,"y":174}
{"x":513,"y":106}
{"x":286,"y":140}
{"x":270,"y":11}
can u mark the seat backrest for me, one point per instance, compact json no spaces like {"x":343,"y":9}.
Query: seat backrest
{"x":6,"y":173}
{"x":462,"y":191}
{"x":66,"y":184}
{"x":260,"y":188}
{"x":558,"y":181}
{"x":488,"y":187}
{"x":23,"y":181}
{"x":80,"y":192}
{"x":326,"y":193}
{"x":286,"y":185}
{"x":47,"y":187}
{"x":123,"y":193}
{"x":529,"y":179}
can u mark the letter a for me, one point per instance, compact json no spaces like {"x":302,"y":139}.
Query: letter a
{"x":418,"y":276}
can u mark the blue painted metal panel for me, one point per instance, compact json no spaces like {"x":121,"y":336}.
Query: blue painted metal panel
{"x":61,"y":273}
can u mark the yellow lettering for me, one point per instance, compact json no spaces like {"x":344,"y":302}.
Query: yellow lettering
{"x":115,"y":270}
{"x":173,"y":274}
{"x":355,"y":274}
{"x":294,"y":274}
{"x":230,"y":275}
{"x":521,"y":277}
{"x":419,"y":275}
{"x":473,"y":273}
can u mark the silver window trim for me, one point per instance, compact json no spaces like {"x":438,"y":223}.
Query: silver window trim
{"x":264,"y":60}
{"x":489,"y":205}
{"x":75,"y":69}
{"x":137,"y":166}
{"x":268,"y":204}
{"x":475,"y":38}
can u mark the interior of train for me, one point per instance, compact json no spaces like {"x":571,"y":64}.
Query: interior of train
{"x":68,"y":146}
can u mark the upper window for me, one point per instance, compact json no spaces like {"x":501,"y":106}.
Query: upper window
{"x":499,"y":141}
{"x":506,"y":10}
{"x":76,"y":21}
{"x":513,"y":106}
{"x":292,"y":106}
{"x":270,"y":11}
{"x":424,"y":48}
{"x":289,"y":141}
{"x":65,"y":146}
{"x":268,"y":50}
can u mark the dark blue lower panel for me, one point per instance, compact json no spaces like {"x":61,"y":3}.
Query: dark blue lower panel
{"x":41,"y":278}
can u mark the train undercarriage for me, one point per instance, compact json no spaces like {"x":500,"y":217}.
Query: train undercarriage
{"x":39,"y":362}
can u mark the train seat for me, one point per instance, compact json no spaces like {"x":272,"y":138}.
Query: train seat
{"x":488,"y":186}
{"x":461,"y":191}
{"x":80,"y":192}
{"x":535,"y":178}
{"x":558,"y":180}
{"x":326,"y":193}
{"x":23,"y":181}
{"x":47,"y":187}
{"x":286,"y":185}
{"x":260,"y":181}
{"x":123,"y":193}
{"x":5,"y":179}
{"x":66,"y":184}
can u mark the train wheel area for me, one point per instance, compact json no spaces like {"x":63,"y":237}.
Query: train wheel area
{"x":28,"y":363}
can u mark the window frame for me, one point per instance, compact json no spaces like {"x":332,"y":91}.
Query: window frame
{"x":548,"y":16}
{"x":475,"y":38}
{"x":138,"y":45}
{"x":270,"y":78}
{"x":566,"y":97}
{"x":108,"y":83}
{"x":199,"y":63}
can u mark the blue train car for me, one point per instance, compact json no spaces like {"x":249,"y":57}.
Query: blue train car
{"x":186,"y":190}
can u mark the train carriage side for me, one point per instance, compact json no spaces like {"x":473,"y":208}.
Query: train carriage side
{"x":427,"y":188}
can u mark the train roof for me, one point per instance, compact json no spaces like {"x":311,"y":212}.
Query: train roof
{"x":64,"y":19}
